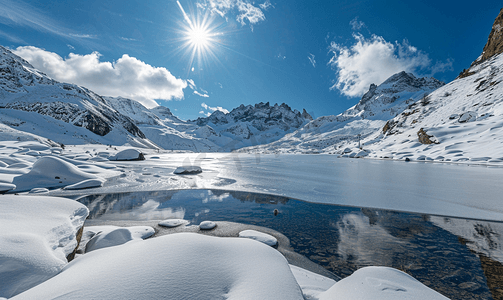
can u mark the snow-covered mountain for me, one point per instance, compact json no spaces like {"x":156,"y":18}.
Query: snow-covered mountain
{"x":417,"y":119}
{"x":243,"y":126}
{"x":33,"y":103}
{"x":36,"y":107}
{"x":379,"y":104}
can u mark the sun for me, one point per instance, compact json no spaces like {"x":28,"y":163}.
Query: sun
{"x":199,"y":37}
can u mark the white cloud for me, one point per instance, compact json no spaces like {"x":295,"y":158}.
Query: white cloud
{"x":311,"y":60}
{"x":126,"y":77}
{"x":372,"y":60}
{"x":219,"y":108}
{"x":356,"y":24}
{"x":266,"y":5}
{"x":207,"y":114}
{"x":246,"y":10}
{"x":201,"y":95}
{"x":83,"y":36}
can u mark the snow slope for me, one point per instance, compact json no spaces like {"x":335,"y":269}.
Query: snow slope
{"x":30,"y":101}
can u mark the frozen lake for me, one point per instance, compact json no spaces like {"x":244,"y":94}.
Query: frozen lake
{"x":457,"y":257}
{"x":468,"y":191}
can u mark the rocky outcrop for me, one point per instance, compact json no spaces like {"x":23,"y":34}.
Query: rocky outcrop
{"x":494,"y":44}
{"x":424,"y":138}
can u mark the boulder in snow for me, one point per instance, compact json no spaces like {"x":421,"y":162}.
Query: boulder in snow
{"x":468,"y":116}
{"x":207,"y":225}
{"x":128,"y":155}
{"x":170,"y":223}
{"x":259,"y":236}
{"x":187,"y":170}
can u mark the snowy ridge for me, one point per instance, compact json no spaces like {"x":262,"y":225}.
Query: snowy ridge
{"x":35,"y":103}
{"x":327,"y":134}
{"x":243,"y":126}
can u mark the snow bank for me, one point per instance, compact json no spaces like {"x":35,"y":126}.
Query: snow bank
{"x":376,"y":283}
{"x":51,"y":171}
{"x":183,"y":266}
{"x":128,"y":154}
{"x":85,"y":184}
{"x":109,"y":236}
{"x":259,"y":236}
{"x":36,"y":235}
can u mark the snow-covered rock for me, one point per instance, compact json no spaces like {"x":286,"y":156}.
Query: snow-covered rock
{"x":178,"y":266}
{"x":207,"y":225}
{"x":187,"y":170}
{"x":4,"y":187}
{"x":380,"y":283}
{"x":109,"y":236}
{"x":50,"y":172}
{"x":259,"y":236}
{"x":173,"y":223}
{"x":36,"y":235}
{"x":128,"y":154}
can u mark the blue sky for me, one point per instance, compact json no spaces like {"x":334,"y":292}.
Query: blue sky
{"x":317,"y":55}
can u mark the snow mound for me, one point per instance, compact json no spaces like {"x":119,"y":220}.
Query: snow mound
{"x":188,"y":170}
{"x":128,"y":154}
{"x":173,"y":222}
{"x":38,"y":191}
{"x":4,"y":187}
{"x":36,"y":236}
{"x":183,"y":266}
{"x":312,"y":284}
{"x":375,"y":283}
{"x":207,"y":225}
{"x":85,"y":184}
{"x":259,"y":236}
{"x":50,"y":172}
{"x":109,"y":236}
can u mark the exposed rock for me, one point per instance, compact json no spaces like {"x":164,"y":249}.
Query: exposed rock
{"x":494,"y":44}
{"x":468,"y":116}
{"x":424,"y":138}
{"x":71,"y":256}
{"x":188,"y":170}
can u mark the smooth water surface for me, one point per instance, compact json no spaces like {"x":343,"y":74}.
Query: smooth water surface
{"x":459,"y":258}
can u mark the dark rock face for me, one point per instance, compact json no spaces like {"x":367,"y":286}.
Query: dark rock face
{"x":494,"y":44}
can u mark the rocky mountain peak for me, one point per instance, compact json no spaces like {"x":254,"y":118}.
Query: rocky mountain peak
{"x":394,"y":88}
{"x":494,"y":44}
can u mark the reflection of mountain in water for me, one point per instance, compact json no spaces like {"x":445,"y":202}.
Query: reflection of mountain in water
{"x":138,"y":203}
{"x":122,"y":203}
{"x":485,"y":240}
{"x":413,"y":244}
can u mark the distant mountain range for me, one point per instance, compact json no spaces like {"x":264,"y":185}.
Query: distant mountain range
{"x":403,"y":118}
